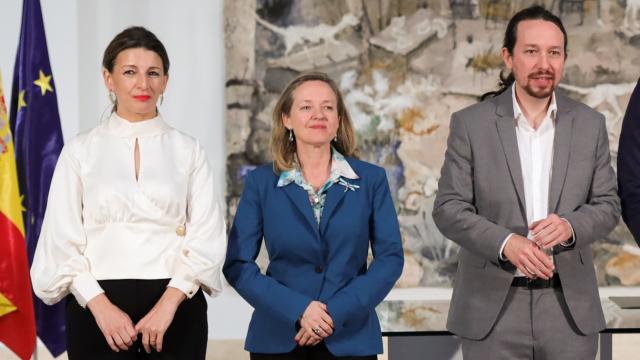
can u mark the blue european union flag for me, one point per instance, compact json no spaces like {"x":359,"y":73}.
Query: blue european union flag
{"x":37,"y":137}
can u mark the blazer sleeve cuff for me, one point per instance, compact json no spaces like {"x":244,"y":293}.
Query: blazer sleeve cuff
{"x":295,"y":308}
{"x":338,"y":308}
{"x":572,"y":241}
{"x":501,"y":256}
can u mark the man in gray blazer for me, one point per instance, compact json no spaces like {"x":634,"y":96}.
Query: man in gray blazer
{"x":526,"y":187}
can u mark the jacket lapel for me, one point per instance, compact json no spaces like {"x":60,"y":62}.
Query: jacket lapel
{"x":335,"y":194}
{"x":561,"y":150}
{"x":507,"y":132}
{"x":300,"y":199}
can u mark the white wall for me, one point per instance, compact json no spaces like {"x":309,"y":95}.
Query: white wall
{"x":61,"y":27}
{"x":78,"y":31}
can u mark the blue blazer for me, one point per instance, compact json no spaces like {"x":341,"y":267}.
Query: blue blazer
{"x":629,"y":165}
{"x":308,"y":262}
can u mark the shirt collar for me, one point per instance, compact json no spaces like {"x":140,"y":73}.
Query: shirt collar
{"x":118,"y":126}
{"x":519,"y":115}
{"x":339,"y":168}
{"x":340,"y":165}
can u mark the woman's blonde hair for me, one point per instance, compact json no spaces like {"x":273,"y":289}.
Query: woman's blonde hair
{"x":282,"y":149}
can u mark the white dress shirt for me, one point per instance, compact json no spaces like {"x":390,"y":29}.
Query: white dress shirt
{"x":103,"y":224}
{"x":535,"y":148}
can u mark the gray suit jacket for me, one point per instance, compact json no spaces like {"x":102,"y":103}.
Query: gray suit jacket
{"x":480,"y":201}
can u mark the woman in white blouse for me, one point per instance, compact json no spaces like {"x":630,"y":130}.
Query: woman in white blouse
{"x":132,"y":229}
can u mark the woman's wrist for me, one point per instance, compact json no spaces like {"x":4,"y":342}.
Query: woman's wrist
{"x":173,"y":297}
{"x":97,"y":302}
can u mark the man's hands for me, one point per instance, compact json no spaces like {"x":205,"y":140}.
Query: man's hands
{"x":315,"y":317}
{"x":115,"y":324}
{"x":551,"y":231}
{"x":528,"y":258}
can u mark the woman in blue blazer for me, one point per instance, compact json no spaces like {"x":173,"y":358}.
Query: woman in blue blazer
{"x":318,"y":210}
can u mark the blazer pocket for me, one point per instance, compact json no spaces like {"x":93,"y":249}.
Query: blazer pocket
{"x":586,"y":256}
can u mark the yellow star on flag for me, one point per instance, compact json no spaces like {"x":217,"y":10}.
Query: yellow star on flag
{"x":6,"y":306}
{"x":21,"y":102}
{"x":23,"y":209}
{"x":44,"y":82}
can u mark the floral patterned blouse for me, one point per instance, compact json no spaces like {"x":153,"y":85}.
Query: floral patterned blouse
{"x":340,"y":171}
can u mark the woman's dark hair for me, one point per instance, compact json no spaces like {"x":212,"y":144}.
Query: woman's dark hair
{"x":535,"y":12}
{"x":130,"y":38}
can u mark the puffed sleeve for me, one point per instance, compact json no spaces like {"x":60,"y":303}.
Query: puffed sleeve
{"x":59,"y":265}
{"x":201,"y":257}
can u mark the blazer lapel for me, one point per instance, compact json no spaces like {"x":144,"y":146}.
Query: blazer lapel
{"x":561,"y":151}
{"x":335,"y":194}
{"x":300,"y":199}
{"x":507,"y":132}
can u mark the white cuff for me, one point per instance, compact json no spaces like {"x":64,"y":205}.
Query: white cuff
{"x":183,"y":280}
{"x":504,"y":243}
{"x":188,"y":287}
{"x":85,"y":287}
{"x":573,"y":236}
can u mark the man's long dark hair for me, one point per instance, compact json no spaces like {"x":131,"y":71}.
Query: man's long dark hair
{"x":535,"y":12}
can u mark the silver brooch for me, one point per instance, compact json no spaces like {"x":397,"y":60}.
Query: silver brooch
{"x":348,"y":186}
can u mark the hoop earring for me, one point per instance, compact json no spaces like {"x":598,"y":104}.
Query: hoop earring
{"x":112,"y":98}
{"x":161,"y":99}
{"x":290,"y":135}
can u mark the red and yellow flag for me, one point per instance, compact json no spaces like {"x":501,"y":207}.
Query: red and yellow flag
{"x":17,"y":321}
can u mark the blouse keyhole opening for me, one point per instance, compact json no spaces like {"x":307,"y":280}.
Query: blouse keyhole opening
{"x":136,"y":158}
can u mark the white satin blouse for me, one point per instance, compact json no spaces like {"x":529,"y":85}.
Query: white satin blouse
{"x":103,"y":224}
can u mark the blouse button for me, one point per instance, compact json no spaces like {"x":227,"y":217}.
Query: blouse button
{"x":181,"y":230}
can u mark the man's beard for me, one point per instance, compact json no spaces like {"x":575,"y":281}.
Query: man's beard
{"x":539,"y":93}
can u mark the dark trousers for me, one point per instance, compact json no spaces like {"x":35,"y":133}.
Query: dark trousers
{"x":186,"y":337}
{"x":318,"y":352}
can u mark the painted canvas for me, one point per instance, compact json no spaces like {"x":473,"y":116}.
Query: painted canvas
{"x":404,"y":66}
